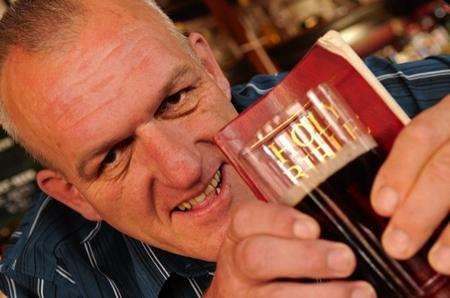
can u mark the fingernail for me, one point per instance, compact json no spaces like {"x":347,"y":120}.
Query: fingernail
{"x":397,"y":242}
{"x":304,"y":228}
{"x":340,"y":259}
{"x":365,"y":291}
{"x":440,"y":258}
{"x":388,"y":199}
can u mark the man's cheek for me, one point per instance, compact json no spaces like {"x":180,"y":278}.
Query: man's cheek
{"x":136,"y":196}
{"x":106,"y":198}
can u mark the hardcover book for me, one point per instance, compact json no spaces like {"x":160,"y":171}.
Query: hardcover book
{"x":330,"y":61}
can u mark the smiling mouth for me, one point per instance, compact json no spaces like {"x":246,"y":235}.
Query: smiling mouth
{"x":211,"y":192}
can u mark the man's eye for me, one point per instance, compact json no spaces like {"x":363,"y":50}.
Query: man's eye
{"x":117,"y":157}
{"x":110,"y":158}
{"x":177,"y":105}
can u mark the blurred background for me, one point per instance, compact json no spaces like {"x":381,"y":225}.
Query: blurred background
{"x":264,"y":36}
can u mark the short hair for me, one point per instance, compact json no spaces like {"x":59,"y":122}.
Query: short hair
{"x":35,"y":26}
{"x":42,"y":25}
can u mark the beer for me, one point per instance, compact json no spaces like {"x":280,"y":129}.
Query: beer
{"x":341,"y":206}
{"x":318,"y":157}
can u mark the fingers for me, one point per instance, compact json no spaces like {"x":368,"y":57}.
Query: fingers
{"x":422,"y":211}
{"x":439,"y":256}
{"x":256,"y":217}
{"x":412,"y":150}
{"x":413,"y":185}
{"x":268,"y":242}
{"x":267,"y":257}
{"x":322,"y":290}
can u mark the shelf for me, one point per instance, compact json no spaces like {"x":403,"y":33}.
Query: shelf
{"x":185,"y":10}
{"x":287,"y":53}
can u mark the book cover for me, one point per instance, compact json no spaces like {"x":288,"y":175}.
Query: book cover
{"x":330,"y":61}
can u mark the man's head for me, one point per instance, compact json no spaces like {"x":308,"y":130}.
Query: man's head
{"x":124,"y":110}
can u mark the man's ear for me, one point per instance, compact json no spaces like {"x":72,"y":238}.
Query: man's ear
{"x":54,"y":185}
{"x":205,"y":54}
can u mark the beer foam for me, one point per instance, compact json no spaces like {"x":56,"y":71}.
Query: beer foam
{"x":316,"y":176}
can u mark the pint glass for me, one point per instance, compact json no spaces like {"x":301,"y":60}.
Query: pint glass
{"x":315,"y":155}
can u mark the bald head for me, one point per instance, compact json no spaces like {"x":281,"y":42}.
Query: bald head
{"x":49,"y":28}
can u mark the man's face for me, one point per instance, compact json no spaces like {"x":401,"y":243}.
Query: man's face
{"x":128,"y":117}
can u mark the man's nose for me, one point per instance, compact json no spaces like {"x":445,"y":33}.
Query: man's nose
{"x":171,"y":156}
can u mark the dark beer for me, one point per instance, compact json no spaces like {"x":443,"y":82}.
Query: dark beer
{"x":342,"y":207}
{"x":319,"y":158}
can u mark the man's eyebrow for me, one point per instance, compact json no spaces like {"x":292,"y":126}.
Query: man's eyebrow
{"x":174,"y":76}
{"x":103,"y":147}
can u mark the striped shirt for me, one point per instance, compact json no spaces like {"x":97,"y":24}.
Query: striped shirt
{"x":57,"y":253}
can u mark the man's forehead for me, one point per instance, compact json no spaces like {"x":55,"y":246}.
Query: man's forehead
{"x":107,"y":18}
{"x":107,"y":43}
{"x":111,"y":58}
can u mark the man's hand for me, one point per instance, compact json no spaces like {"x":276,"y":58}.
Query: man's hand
{"x":413,"y":188}
{"x":267,"y":243}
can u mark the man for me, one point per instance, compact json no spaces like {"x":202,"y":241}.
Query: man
{"x":122,"y":111}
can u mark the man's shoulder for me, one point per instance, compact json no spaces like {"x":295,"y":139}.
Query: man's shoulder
{"x":415,"y":85}
{"x":243,"y":95}
{"x":43,"y":248}
{"x":46,"y":225}
{"x":55,"y":250}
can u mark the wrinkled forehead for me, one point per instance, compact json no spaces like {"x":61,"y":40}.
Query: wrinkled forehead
{"x":50,"y":93}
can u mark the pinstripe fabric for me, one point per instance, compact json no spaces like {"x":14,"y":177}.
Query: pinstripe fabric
{"x":416,"y":86}
{"x":56,"y":253}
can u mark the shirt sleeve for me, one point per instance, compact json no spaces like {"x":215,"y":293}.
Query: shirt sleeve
{"x":21,"y":286}
{"x":12,"y":289}
{"x":246,"y":94}
{"x":417,"y":85}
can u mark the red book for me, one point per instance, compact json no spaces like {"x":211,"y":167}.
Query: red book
{"x":329,"y":61}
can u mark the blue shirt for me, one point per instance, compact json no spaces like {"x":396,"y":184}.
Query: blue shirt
{"x":57,"y":253}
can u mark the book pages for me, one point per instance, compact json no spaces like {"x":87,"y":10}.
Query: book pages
{"x":333,"y":42}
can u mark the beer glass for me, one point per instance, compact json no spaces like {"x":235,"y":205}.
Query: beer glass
{"x":315,"y":155}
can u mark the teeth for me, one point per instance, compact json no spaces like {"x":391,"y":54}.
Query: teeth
{"x":211,"y":188}
{"x":214,"y":183}
{"x":187,"y":205}
{"x":200,"y":199}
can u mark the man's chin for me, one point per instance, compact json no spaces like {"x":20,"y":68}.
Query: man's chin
{"x":205,"y":248}
{"x":204,"y":230}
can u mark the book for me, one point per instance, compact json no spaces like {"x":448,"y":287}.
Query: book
{"x":333,"y":61}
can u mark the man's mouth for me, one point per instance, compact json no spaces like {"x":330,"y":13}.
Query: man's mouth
{"x":209,"y":193}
